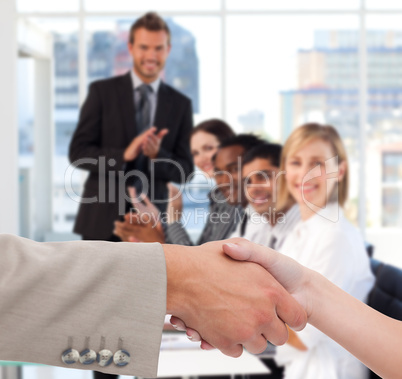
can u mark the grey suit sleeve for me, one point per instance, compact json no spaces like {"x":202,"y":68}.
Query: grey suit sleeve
{"x":55,"y":296}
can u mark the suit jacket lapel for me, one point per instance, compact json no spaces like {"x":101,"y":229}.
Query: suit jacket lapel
{"x":163,"y":107}
{"x":126,"y":104}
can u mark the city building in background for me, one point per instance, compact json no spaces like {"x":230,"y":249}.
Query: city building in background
{"x":328,"y":76}
{"x":391,"y":165}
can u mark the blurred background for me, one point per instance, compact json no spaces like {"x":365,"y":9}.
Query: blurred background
{"x":263,"y":66}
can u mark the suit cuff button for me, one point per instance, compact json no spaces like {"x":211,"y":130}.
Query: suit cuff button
{"x":104,"y":357}
{"x":121,"y":358}
{"x":70,"y":356}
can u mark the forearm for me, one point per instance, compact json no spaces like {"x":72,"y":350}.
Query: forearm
{"x":76,"y":292}
{"x":176,"y":274}
{"x":369,"y":335}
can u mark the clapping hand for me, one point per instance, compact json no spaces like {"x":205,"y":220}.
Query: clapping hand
{"x":152,"y":143}
{"x":143,"y":205}
{"x":136,"y":146}
{"x":144,"y":224}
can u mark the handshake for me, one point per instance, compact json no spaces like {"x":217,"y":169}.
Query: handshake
{"x":229,"y":304}
{"x":227,"y":294}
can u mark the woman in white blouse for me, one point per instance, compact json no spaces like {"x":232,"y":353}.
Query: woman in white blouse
{"x":316,"y":178}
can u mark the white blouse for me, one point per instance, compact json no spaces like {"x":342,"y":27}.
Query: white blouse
{"x":333,"y":247}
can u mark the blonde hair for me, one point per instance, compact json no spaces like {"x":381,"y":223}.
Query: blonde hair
{"x":299,"y":138}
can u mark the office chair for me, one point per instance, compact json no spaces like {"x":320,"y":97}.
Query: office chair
{"x":386,"y":295}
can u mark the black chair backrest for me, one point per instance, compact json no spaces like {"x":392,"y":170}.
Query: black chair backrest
{"x":386,"y":295}
{"x":369,"y":249}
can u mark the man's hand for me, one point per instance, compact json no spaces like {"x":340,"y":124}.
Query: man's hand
{"x":152,"y":143}
{"x":143,"y":205}
{"x":134,"y":149}
{"x":125,"y":232}
{"x":139,"y":228}
{"x":143,"y":226}
{"x":231,"y":304}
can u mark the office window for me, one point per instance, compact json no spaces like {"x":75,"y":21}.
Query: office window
{"x":144,"y":6}
{"x":188,"y":66}
{"x":264,"y":66}
{"x":25,"y":82}
{"x":392,"y":186}
{"x":47,"y":6}
{"x":285,"y":79}
{"x":384,"y":125}
{"x":392,"y":166}
{"x":291,"y":4}
{"x":383,"y":4}
{"x":66,"y":107}
{"x":26,"y":104}
{"x":193,"y":66}
{"x":391,"y":201}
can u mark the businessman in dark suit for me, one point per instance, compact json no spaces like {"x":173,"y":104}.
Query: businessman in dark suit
{"x":134,"y":131}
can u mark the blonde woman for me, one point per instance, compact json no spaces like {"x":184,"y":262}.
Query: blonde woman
{"x":316,"y":178}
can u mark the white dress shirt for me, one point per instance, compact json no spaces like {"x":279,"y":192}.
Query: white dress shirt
{"x":257,"y":228}
{"x":336,"y":250}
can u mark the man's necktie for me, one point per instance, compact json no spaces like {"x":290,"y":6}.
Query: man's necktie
{"x":143,"y":113}
{"x":143,"y":121}
{"x":243,"y":225}
{"x":272,"y":242}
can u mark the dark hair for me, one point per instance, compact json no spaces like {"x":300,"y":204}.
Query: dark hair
{"x":268,"y":151}
{"x":218,"y":128}
{"x":150,"y":21}
{"x":247,"y":141}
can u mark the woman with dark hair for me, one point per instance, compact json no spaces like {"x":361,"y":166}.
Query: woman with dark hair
{"x":205,"y":139}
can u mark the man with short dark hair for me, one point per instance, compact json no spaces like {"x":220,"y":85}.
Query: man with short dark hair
{"x":263,"y":222}
{"x":133,"y":131}
{"x":152,"y":22}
